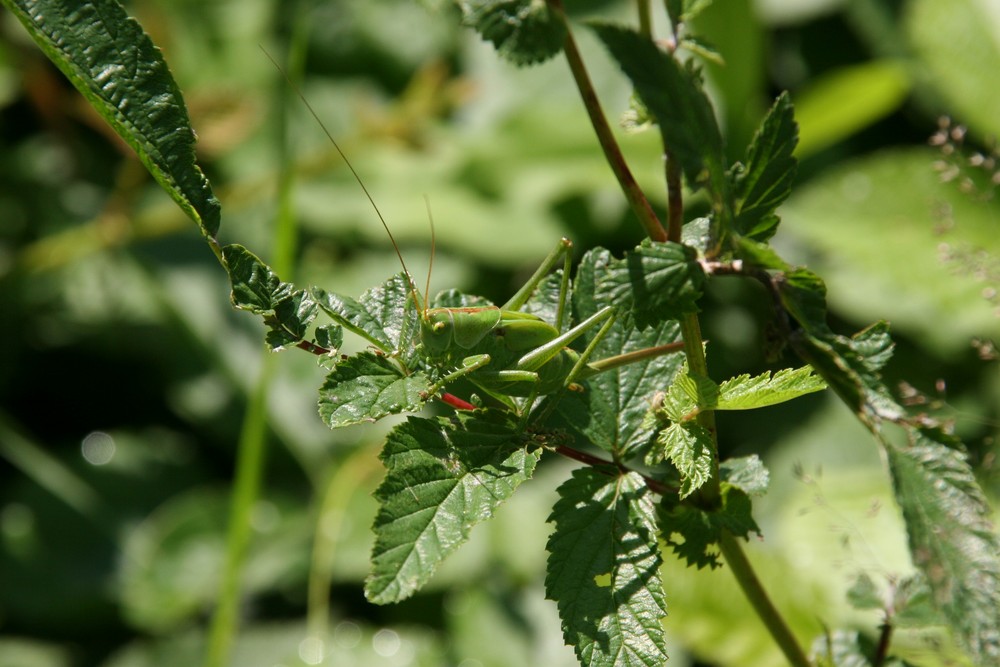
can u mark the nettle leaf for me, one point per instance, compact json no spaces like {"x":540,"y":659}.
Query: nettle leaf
{"x":367,"y":387}
{"x":692,"y":532}
{"x":255,"y":287}
{"x":604,"y":569}
{"x":688,"y":446}
{"x":609,"y":412}
{"x":114,"y":64}
{"x":952,"y":539}
{"x":764,"y":181}
{"x":524,"y":32}
{"x":383,"y":316}
{"x":746,"y":393}
{"x":443,"y":476}
{"x":656,"y":282}
{"x":673,"y":94}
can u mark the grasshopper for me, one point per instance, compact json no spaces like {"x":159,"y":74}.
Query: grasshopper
{"x":505,"y":352}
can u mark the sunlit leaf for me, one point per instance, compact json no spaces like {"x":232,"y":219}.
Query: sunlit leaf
{"x":367,"y":387}
{"x":109,"y":59}
{"x":745,"y":393}
{"x":609,"y":412}
{"x":381,"y":316}
{"x":603,"y":573}
{"x":442,"y":477}
{"x":656,"y":282}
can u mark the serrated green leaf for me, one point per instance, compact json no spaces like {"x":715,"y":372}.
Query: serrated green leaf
{"x":656,"y":282}
{"x":367,"y":387}
{"x":524,"y":32}
{"x":688,"y":446}
{"x":255,"y":287}
{"x":673,"y":94}
{"x":677,"y":403}
{"x":746,"y":473}
{"x":113,"y":63}
{"x":604,"y":569}
{"x":746,"y":393}
{"x":609,"y":413}
{"x":292,"y":316}
{"x":699,"y":530}
{"x":699,"y":389}
{"x":383,"y":315}
{"x":442,"y":477}
{"x":952,"y":539}
{"x":330,"y":336}
{"x":765,"y":179}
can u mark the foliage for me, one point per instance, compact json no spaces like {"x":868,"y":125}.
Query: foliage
{"x":586,"y":367}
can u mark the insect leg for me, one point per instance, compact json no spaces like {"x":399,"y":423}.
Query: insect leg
{"x":561,"y":251}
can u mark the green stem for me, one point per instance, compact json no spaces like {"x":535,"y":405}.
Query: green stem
{"x":252,"y":448}
{"x":246,"y":488}
{"x":645,"y":17}
{"x":745,"y":576}
{"x":633,"y":193}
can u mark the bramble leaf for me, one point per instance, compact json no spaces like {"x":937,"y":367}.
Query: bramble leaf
{"x":330,"y":336}
{"x":656,"y":282}
{"x":292,"y":316}
{"x":604,"y":569}
{"x":442,"y":477}
{"x":383,"y":315}
{"x":524,"y":32}
{"x":255,"y":287}
{"x":114,"y":64}
{"x":367,"y":387}
{"x":765,"y":179}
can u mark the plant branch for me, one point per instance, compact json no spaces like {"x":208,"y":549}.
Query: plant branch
{"x":675,"y":197}
{"x":733,"y":552}
{"x":633,"y":193}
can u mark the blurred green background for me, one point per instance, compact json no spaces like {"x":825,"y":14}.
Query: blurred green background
{"x":125,"y":374}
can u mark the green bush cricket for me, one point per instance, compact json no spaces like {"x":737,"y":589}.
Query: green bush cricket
{"x":504,"y":351}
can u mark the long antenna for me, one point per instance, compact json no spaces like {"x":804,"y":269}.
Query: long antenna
{"x":430,"y":267}
{"x":319,"y":121}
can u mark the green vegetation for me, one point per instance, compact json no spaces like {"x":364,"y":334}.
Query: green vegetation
{"x":650,"y":433}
